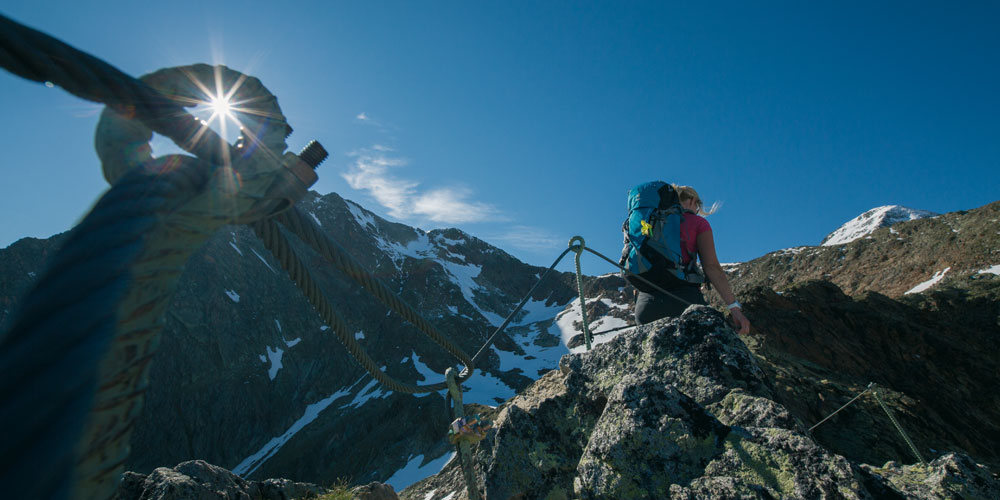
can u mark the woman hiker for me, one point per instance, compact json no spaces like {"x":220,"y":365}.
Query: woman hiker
{"x":696,"y":242}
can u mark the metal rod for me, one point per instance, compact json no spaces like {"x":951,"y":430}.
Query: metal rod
{"x":464,"y":450}
{"x":896,"y":423}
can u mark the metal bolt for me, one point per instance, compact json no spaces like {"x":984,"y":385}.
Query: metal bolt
{"x":313,"y":154}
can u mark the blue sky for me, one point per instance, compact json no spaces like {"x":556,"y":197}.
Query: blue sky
{"x":525,"y":123}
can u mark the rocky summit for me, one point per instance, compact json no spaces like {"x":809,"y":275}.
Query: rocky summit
{"x":677,"y":409}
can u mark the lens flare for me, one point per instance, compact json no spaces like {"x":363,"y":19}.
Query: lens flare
{"x":221,"y":107}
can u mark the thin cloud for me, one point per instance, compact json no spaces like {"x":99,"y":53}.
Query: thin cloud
{"x":532,"y":239}
{"x":451,"y":206}
{"x":372,"y":172}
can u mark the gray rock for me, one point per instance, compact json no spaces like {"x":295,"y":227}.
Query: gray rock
{"x":950,"y":476}
{"x":677,"y":409}
{"x":198,"y":480}
{"x":374,"y":491}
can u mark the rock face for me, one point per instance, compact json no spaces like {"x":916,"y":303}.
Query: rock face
{"x":934,"y":353}
{"x":676,"y":409}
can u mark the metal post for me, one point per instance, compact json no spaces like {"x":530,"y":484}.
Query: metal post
{"x":578,"y":248}
{"x":899,"y":428}
{"x":464,"y":450}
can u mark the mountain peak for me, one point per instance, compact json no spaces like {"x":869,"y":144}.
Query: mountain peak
{"x":871,"y":220}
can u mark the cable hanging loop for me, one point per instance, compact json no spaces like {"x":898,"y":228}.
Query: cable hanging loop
{"x":307,"y":231}
{"x":578,"y":249}
{"x":267,"y":230}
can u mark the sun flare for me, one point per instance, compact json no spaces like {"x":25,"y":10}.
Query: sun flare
{"x":221,"y":107}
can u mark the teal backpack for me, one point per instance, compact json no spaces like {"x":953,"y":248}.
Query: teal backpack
{"x":653,"y":239}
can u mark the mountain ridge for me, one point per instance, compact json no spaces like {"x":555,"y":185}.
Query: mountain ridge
{"x":240,"y":337}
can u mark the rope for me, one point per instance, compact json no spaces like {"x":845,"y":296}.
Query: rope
{"x":578,"y":249}
{"x":92,"y":319}
{"x":63,"y":328}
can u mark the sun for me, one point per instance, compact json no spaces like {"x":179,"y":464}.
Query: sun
{"x":221,"y":107}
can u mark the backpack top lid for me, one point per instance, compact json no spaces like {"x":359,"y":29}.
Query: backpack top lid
{"x":655,"y":194}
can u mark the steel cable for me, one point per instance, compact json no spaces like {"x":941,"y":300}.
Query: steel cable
{"x":270,"y":234}
{"x":306,"y":230}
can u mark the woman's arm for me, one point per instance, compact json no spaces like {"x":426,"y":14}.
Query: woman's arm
{"x":715,"y":274}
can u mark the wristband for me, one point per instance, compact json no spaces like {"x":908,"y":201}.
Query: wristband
{"x":734,"y":305}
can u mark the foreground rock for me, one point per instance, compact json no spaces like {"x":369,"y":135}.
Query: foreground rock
{"x":676,"y":409}
{"x":198,"y":480}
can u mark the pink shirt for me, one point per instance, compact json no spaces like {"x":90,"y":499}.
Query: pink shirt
{"x":691,"y":227}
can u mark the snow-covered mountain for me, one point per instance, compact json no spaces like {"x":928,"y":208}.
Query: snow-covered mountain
{"x":871,"y":220}
{"x":249,"y":377}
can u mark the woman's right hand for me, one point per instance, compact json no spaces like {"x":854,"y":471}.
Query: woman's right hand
{"x":740,"y":322}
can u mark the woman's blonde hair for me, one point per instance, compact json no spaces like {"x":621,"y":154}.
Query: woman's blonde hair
{"x":687,"y":192}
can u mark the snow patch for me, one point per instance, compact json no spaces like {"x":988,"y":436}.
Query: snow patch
{"x":274,"y":355}
{"x":413,"y":471}
{"x":292,"y":343}
{"x":572,"y":315}
{"x":938,"y":276}
{"x":276,"y":322}
{"x":426,"y":373}
{"x":791,"y":251}
{"x":485,"y":389}
{"x":315,"y":218}
{"x":264,"y":261}
{"x":362,"y":216}
{"x":232,"y":244}
{"x":990,"y":270}
{"x":368,"y":393}
{"x":463,"y":275}
{"x":360,"y":334}
{"x":253,"y":462}
{"x":235,"y":297}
